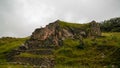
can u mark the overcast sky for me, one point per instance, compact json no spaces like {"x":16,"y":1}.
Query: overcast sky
{"x":19,"y":18}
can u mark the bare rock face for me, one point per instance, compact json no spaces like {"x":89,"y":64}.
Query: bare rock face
{"x":53,"y":34}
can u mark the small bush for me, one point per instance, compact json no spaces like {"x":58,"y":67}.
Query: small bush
{"x":81,"y":46}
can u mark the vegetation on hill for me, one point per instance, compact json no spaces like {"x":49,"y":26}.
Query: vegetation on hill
{"x":90,"y":52}
{"x":112,"y":25}
{"x":97,"y":52}
{"x":74,"y":25}
{"x":93,"y":53}
{"x":7,"y":44}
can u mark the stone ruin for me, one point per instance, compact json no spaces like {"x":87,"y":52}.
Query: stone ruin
{"x":94,"y":29}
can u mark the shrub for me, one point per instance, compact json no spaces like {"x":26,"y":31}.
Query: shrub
{"x":81,"y":46}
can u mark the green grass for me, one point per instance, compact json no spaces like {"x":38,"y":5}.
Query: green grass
{"x":34,"y":55}
{"x":96,"y":52}
{"x":112,"y":38}
{"x":73,"y":25}
{"x":70,"y":43}
{"x":7,"y":44}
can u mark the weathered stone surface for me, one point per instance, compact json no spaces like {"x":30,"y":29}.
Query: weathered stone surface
{"x":94,"y":29}
{"x":54,"y":34}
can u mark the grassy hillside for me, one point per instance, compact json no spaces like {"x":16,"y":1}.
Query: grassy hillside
{"x":98,"y":52}
{"x":7,"y":44}
{"x":93,"y":52}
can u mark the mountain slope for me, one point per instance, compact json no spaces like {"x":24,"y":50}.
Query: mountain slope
{"x":7,"y":44}
{"x":98,"y":52}
{"x":67,"y":44}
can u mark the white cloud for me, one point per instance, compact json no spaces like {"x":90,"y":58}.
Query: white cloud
{"x":20,"y":17}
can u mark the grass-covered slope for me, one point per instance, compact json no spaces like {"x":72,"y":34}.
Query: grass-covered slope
{"x":74,"y":25}
{"x":98,"y":52}
{"x":7,"y":44}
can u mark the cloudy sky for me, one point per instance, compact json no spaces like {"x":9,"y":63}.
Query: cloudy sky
{"x":19,"y":18}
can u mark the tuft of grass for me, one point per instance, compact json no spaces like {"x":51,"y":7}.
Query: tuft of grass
{"x":33,"y":55}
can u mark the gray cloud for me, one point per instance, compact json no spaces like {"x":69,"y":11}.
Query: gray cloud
{"x":19,"y":18}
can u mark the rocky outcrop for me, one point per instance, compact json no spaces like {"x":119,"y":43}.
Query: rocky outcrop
{"x":44,"y":40}
{"x":51,"y":35}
